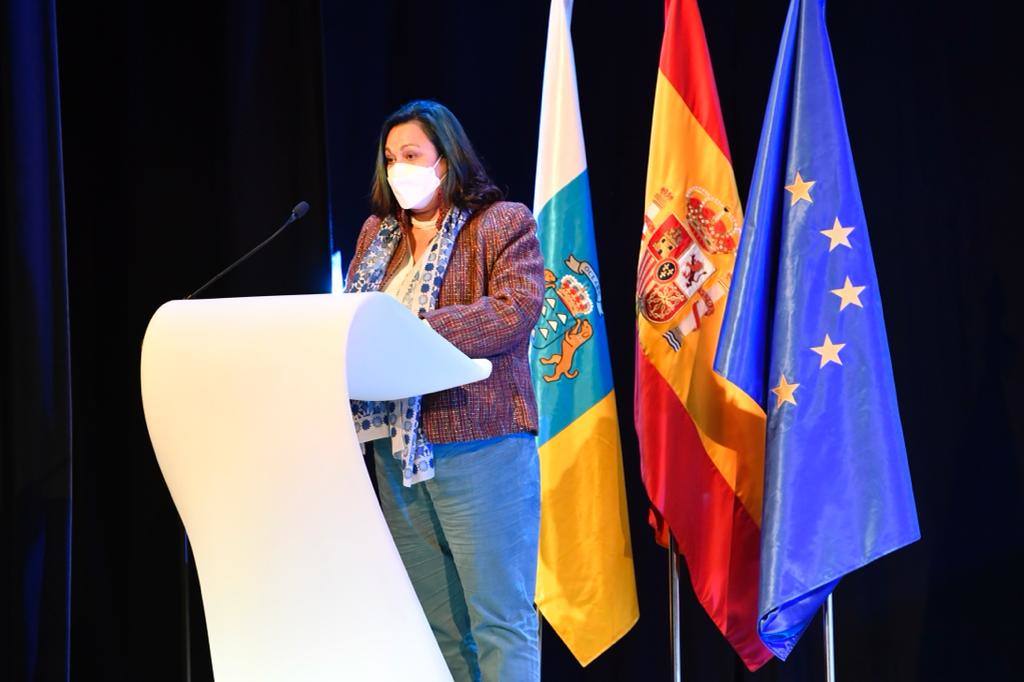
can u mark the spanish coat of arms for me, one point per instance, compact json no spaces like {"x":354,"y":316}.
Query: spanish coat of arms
{"x":676,"y":269}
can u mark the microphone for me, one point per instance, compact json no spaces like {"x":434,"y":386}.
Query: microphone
{"x":297,"y":212}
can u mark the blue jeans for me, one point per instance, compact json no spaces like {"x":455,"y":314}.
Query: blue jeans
{"x":468,"y":539}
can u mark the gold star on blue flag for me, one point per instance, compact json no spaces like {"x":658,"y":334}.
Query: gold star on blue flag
{"x":837,"y":486}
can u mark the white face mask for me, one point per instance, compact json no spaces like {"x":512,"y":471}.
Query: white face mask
{"x":413,"y":185}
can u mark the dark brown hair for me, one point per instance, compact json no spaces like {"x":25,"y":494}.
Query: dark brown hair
{"x":466,"y":183}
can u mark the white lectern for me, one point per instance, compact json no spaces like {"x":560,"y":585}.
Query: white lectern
{"x":247,"y":403}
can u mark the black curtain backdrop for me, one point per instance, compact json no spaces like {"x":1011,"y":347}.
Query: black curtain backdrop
{"x":35,"y":371}
{"x":190,"y":130}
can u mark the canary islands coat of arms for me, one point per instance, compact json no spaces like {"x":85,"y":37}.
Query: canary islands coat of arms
{"x":564,"y":324}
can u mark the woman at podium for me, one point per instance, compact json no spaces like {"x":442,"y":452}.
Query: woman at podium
{"x":457,"y":470}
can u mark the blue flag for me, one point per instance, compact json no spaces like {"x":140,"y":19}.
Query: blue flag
{"x":804,"y":336}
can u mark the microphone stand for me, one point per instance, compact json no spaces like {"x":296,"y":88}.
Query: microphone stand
{"x":186,"y":588}
{"x":297,"y":212}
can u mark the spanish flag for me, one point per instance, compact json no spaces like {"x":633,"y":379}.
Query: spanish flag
{"x":701,"y":438}
{"x":586,"y":588}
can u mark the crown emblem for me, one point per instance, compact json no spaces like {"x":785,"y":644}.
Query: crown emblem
{"x":575,"y":296}
{"x":711,"y":222}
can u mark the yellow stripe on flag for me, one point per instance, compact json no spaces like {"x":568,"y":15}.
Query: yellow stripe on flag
{"x":585,"y":583}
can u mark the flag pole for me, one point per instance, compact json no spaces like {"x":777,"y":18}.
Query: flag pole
{"x":673,"y":618}
{"x":540,"y":636}
{"x":830,"y":642}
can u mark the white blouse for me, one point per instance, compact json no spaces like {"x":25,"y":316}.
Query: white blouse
{"x":400,"y":282}
{"x":395,"y":288}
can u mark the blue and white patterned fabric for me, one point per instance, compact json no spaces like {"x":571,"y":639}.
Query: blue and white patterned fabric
{"x":402,"y":417}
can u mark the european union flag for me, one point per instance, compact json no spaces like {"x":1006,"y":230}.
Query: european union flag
{"x":804,"y":336}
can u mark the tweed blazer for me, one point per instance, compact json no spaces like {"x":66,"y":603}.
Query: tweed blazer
{"x":487,"y":306}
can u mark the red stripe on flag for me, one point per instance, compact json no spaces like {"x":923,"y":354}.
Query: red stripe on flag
{"x":686,"y":63}
{"x":716,"y":535}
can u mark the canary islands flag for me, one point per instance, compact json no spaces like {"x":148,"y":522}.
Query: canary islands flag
{"x":585,"y":584}
{"x":804,"y":336}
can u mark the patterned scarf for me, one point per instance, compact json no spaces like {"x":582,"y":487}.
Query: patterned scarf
{"x":402,"y":417}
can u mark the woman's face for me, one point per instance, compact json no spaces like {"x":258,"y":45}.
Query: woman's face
{"x":407,"y":143}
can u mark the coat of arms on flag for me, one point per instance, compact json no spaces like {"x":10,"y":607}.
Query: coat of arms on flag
{"x":563,"y":326}
{"x":676,"y":270}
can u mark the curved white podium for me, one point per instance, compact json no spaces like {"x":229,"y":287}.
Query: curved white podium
{"x":247,"y":403}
